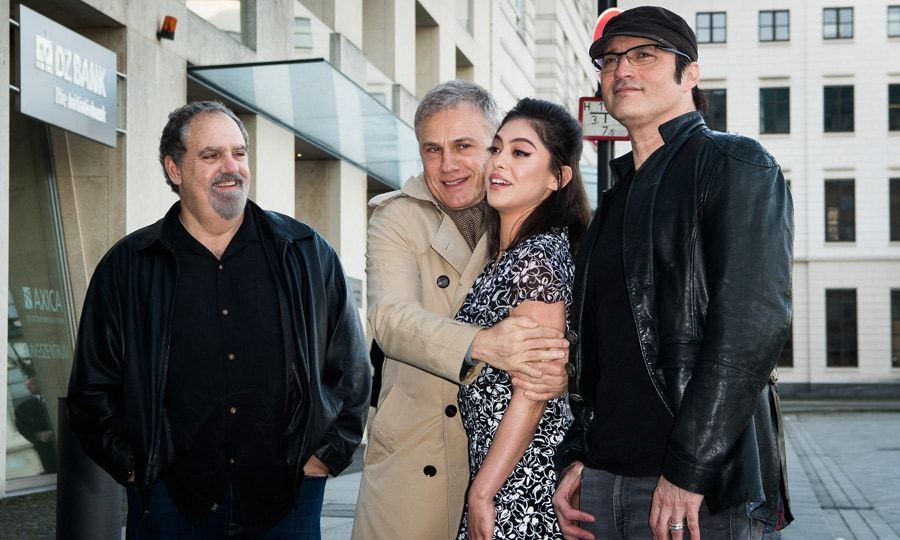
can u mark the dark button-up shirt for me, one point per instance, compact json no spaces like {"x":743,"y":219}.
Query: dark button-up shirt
{"x":225,"y":383}
{"x":631,"y":424}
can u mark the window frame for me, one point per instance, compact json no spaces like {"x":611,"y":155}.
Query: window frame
{"x":712,"y":95}
{"x":835,"y":99}
{"x":893,"y":26}
{"x":711,"y":27}
{"x":843,"y":229}
{"x":893,"y":106}
{"x":841,"y":349}
{"x":894,"y":209}
{"x":780,"y":105}
{"x":839,"y":24}
{"x":773,"y":25}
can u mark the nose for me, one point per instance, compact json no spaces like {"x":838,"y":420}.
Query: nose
{"x":448,"y":162}
{"x":230,"y":164}
{"x":623,"y":67}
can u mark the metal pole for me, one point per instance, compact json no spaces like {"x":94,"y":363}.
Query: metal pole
{"x":88,"y":501}
{"x":605,"y":149}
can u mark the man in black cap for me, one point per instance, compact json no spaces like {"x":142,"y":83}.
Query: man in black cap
{"x":683,"y":296}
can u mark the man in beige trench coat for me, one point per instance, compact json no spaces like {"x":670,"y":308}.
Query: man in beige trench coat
{"x":426,"y":246}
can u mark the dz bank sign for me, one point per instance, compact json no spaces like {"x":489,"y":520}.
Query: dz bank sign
{"x":66,"y":80}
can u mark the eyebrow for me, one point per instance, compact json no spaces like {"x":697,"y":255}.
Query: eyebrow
{"x":221,"y":148}
{"x":517,"y":139}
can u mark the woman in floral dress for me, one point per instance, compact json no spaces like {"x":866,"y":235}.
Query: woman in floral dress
{"x":539,"y":212}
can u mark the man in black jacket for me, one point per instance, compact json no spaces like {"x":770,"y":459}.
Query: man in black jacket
{"x":683,"y":304}
{"x":220,"y":372}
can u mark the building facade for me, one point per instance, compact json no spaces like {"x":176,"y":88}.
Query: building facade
{"x":818,"y":83}
{"x":326,"y":88}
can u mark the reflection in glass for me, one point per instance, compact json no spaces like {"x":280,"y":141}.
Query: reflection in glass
{"x":39,"y":350}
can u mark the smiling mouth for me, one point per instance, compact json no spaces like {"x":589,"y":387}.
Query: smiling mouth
{"x":452,"y":183}
{"x":499,"y":182}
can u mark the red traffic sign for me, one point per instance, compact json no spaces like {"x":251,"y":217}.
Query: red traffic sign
{"x":602,"y":20}
{"x":596,"y":123}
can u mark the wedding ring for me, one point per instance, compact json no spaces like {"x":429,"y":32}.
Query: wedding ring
{"x":678,"y":525}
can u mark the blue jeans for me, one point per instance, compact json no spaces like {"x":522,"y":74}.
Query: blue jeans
{"x":621,"y":506}
{"x":165,"y":521}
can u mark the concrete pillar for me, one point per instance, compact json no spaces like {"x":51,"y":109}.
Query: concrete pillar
{"x":4,"y":231}
{"x":267,"y":27}
{"x":343,"y":16}
{"x":389,"y":33}
{"x":331,"y":198}
{"x":271,"y":164}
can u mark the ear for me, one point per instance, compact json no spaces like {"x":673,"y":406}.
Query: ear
{"x":691,"y":76}
{"x":565,"y":177}
{"x":172,"y":170}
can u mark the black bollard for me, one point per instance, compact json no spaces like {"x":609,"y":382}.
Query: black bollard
{"x":88,"y":501}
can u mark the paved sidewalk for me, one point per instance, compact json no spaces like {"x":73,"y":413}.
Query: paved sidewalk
{"x":843,"y":467}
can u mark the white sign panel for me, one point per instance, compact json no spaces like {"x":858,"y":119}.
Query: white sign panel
{"x":597,"y":124}
{"x":66,"y":79}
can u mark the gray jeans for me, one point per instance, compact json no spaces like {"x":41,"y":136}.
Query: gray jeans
{"x":621,"y":506}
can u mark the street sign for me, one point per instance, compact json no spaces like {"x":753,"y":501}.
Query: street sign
{"x":602,"y":20}
{"x":596,"y":123}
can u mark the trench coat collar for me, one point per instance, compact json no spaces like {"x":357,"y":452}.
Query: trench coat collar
{"x":448,"y":242}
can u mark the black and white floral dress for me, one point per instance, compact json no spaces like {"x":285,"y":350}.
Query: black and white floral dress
{"x":541,"y":269}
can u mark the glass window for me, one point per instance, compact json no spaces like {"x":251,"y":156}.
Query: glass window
{"x":40,"y":321}
{"x":519,"y":9}
{"x":895,"y":209}
{"x":774,"y":110}
{"x":838,"y":110}
{"x":893,"y":21}
{"x":837,"y":23}
{"x":895,"y":328}
{"x":840,"y":313}
{"x":894,"y":107}
{"x":775,"y":25}
{"x":302,"y":33}
{"x":840,"y":211}
{"x":711,"y":27}
{"x":787,"y":354}
{"x":223,"y":14}
{"x":464,"y":14}
{"x":717,"y":116}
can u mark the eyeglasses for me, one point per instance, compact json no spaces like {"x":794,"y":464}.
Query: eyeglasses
{"x":642,"y":55}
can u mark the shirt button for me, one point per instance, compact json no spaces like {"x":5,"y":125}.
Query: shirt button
{"x":231,"y":461}
{"x":429,"y":470}
{"x":214,"y":507}
{"x":221,"y":267}
{"x":233,"y":410}
{"x":231,"y":356}
{"x":572,"y":336}
{"x":225,"y":312}
{"x":443,"y":282}
{"x":450,"y":411}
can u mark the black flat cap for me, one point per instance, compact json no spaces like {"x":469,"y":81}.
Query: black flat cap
{"x":651,"y":22}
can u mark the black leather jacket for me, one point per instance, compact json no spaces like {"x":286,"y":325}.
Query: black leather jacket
{"x":707,"y":243}
{"x":116,"y":390}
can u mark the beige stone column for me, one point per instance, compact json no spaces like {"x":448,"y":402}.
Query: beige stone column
{"x":271,"y":164}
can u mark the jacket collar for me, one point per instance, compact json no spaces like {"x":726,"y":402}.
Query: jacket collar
{"x":417,"y":188}
{"x":674,"y":133}
{"x":280,"y":226}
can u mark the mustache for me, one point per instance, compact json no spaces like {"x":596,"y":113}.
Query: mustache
{"x":227,"y":177}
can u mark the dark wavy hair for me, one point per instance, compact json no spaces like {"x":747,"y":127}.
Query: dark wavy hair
{"x":701,"y":101}
{"x":567,"y":206}
{"x":173,"y":141}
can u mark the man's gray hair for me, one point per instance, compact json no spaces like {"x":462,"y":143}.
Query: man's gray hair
{"x":174,"y":136}
{"x":456,"y":93}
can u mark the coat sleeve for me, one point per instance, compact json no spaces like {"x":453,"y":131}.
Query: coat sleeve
{"x":345,"y":371}
{"x":403,"y":328}
{"x":746,"y":230}
{"x":95,"y":386}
